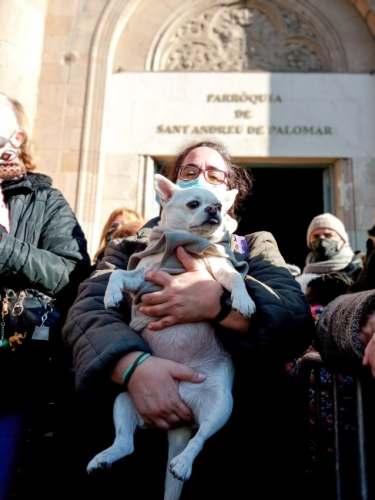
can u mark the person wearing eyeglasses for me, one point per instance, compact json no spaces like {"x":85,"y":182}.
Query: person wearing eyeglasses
{"x":42,"y":249}
{"x":239,"y":458}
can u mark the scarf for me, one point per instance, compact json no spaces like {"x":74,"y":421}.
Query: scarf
{"x":337,"y":263}
{"x":11,"y":167}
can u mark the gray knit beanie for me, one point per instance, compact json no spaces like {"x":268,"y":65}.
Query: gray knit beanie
{"x":327,"y":221}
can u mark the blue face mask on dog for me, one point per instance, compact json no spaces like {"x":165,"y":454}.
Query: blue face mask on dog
{"x":201,"y":182}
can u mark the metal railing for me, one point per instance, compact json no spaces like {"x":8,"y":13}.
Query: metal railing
{"x":312,"y":364}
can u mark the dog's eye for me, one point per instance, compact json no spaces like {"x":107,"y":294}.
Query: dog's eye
{"x":219,"y":207}
{"x":193,"y":204}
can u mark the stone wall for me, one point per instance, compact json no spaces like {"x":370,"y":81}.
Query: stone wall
{"x":85,"y":41}
{"x":21,"y":44}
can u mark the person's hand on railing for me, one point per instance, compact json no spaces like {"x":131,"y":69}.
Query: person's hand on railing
{"x":367,"y":337}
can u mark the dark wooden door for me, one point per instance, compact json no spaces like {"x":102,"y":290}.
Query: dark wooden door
{"x":283,"y":202}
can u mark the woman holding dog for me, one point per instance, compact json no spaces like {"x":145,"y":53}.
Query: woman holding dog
{"x":261,"y":427}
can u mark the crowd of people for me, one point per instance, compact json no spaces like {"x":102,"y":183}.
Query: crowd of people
{"x":329,"y":307}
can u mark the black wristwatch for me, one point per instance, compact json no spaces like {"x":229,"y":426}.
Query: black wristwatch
{"x":226,"y":305}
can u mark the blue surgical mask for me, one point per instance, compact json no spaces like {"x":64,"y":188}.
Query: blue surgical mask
{"x":201,"y":182}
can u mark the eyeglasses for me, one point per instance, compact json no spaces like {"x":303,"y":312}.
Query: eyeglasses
{"x":4,"y":140}
{"x":212,"y":175}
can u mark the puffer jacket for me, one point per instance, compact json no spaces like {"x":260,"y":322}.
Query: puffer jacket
{"x":46,"y":248}
{"x":281,"y":328}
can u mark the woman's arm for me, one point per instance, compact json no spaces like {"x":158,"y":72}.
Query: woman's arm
{"x":344,"y":330}
{"x":188,"y":297}
{"x":61,"y":257}
{"x":367,"y":337}
{"x":103,"y":346}
{"x":154,"y":389}
{"x":282,"y":323}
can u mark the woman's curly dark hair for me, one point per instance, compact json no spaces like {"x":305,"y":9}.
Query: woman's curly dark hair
{"x":238,"y":178}
{"x":330,"y":285}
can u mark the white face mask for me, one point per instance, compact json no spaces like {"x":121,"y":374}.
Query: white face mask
{"x":201,"y":182}
{"x":11,"y":139}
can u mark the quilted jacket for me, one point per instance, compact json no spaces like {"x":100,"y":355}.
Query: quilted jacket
{"x":46,"y":248}
{"x":281,"y":328}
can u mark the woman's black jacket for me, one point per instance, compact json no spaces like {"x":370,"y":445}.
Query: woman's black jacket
{"x":46,"y":248}
{"x":280,"y":329}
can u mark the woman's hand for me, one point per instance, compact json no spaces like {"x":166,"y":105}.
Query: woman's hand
{"x":185,"y":298}
{"x":154,"y":389}
{"x":367,"y":337}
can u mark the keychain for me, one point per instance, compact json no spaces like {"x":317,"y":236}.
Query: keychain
{"x":16,"y":339}
{"x":4,"y":311}
{"x":42,"y":332}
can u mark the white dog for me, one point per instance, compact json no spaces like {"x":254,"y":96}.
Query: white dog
{"x":194,"y":218}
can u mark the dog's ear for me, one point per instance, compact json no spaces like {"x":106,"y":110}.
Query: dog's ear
{"x":165,"y":189}
{"x":229,"y":198}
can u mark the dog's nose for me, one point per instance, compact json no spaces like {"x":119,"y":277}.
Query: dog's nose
{"x":213,"y":209}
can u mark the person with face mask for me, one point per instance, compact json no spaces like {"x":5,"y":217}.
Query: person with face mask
{"x":42,"y":249}
{"x":330,"y":250}
{"x":103,"y":346}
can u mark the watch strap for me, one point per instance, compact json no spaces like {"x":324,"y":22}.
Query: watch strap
{"x":226,"y":305}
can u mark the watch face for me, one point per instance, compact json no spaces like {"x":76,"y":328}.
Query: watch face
{"x":227,"y":301}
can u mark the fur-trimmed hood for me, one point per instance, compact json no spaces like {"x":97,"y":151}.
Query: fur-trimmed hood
{"x":31,"y":182}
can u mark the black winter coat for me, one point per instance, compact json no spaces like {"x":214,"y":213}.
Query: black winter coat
{"x":281,"y":328}
{"x":258,"y":449}
{"x":46,"y":248}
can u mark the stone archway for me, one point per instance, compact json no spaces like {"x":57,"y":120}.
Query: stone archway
{"x":248,"y":36}
{"x":309,"y":41}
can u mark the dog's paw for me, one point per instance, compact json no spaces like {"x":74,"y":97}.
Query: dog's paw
{"x":244,"y":305}
{"x":180,"y":468}
{"x":97,"y":464}
{"x":112,"y":297}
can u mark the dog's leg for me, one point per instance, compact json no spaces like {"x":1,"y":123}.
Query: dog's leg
{"x":241,"y":300}
{"x":178,"y":439}
{"x":131,"y":281}
{"x":126,"y":420}
{"x":211,"y":414}
{"x":224,"y":272}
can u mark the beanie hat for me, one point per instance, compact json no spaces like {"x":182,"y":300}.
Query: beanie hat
{"x":327,"y":221}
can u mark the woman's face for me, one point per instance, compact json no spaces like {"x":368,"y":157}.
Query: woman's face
{"x":117,"y":221}
{"x":208,"y":161}
{"x":115,"y":224}
{"x":11,"y":140}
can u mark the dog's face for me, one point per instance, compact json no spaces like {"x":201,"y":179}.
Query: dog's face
{"x":196,"y":210}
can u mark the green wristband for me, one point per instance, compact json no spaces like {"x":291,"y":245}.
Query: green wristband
{"x":130,"y":369}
